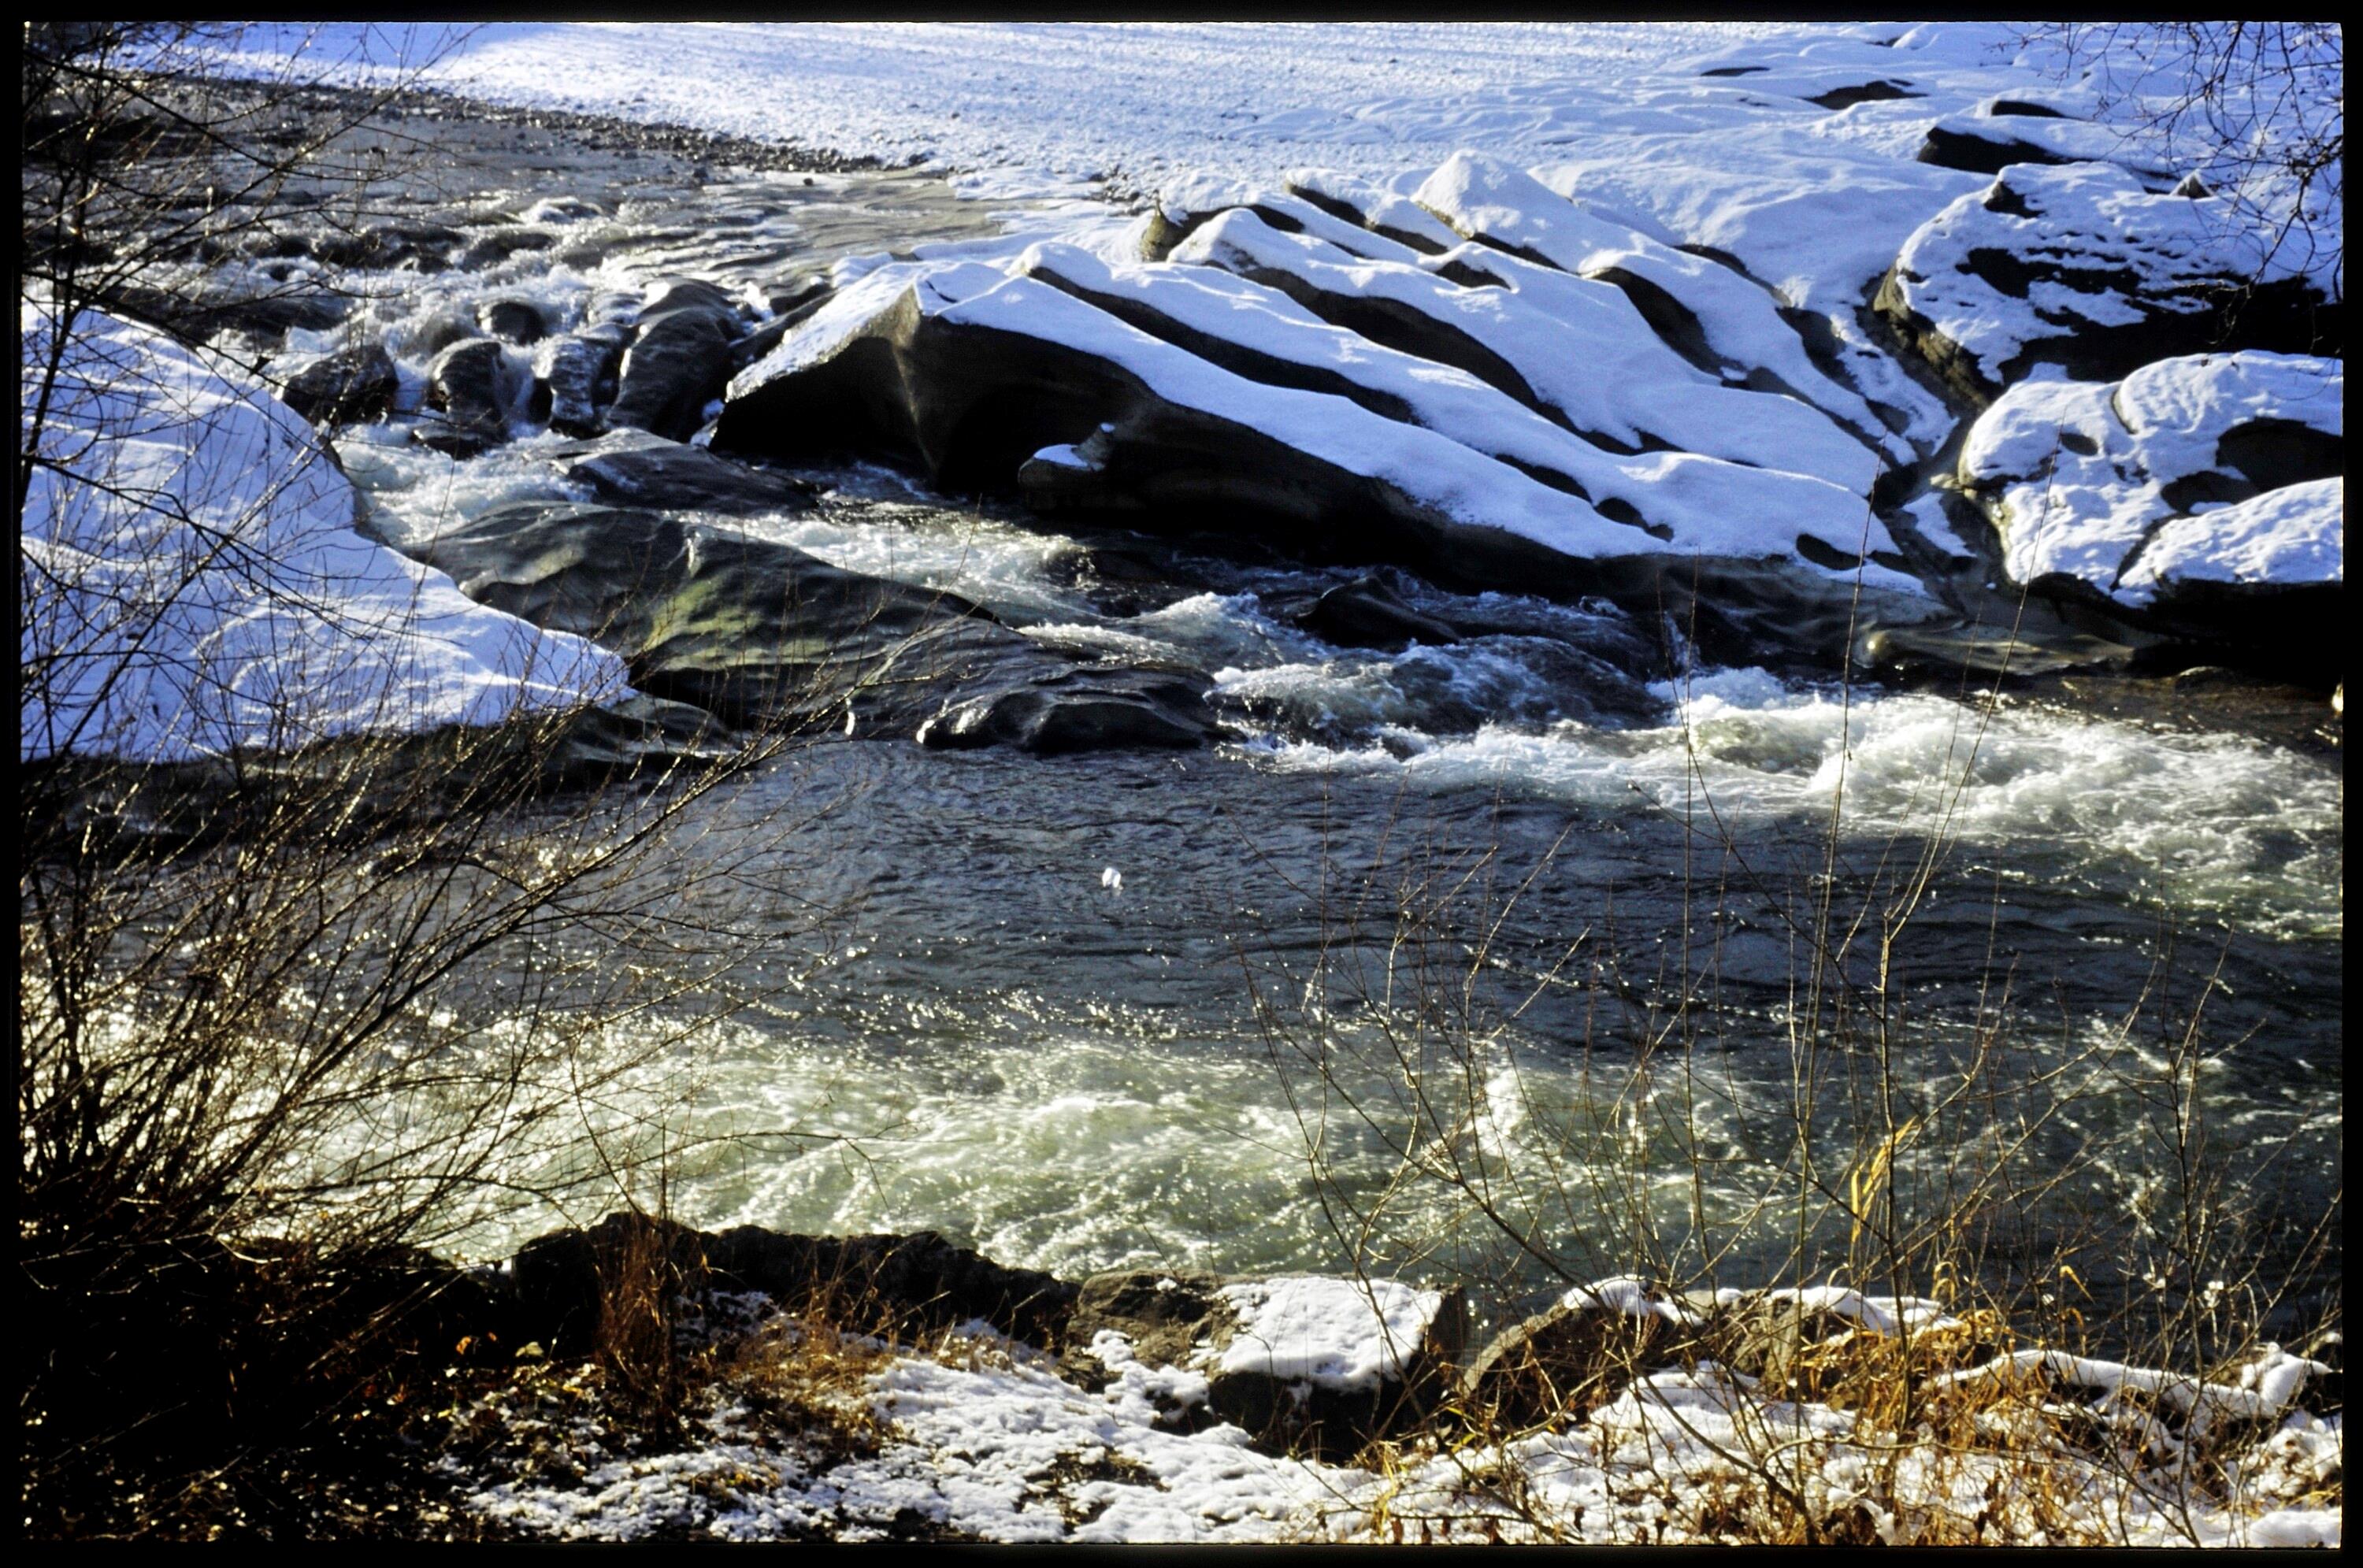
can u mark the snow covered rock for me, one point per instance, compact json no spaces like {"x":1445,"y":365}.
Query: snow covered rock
{"x":2085,"y":267}
{"x":1305,"y":1362}
{"x":2203,"y":492}
{"x":752,"y":631}
{"x":1727,"y":322}
{"x":1187,"y":204}
{"x":192,"y":583}
{"x":1363,"y":407}
{"x":1575,"y":350}
{"x":2021,"y":127}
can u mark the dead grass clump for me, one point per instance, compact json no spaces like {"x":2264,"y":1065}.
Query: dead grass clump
{"x":808,"y":1374}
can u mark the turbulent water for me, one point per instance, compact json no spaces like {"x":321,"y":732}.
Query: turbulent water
{"x":1506,"y":909}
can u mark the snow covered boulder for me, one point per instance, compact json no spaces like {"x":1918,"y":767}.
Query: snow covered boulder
{"x":1302,"y":1363}
{"x":1175,"y":393}
{"x":192,"y":583}
{"x":2203,"y":493}
{"x":2085,"y":267}
{"x":2023,"y":128}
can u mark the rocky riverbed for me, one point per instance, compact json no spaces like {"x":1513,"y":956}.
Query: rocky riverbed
{"x":1303,"y":686}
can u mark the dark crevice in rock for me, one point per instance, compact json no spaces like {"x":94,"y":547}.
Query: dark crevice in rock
{"x":1338,"y":208}
{"x":1240,"y":359}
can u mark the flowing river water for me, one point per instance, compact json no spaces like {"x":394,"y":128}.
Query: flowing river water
{"x":1415,"y":941}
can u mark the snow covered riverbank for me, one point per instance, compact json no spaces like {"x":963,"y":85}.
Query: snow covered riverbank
{"x":1178,"y":1413}
{"x":195,"y":584}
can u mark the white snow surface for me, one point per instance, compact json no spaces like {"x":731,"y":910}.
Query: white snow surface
{"x":1644,"y":121}
{"x":2079,"y":471}
{"x":2293,"y":535}
{"x":1340,"y":1334}
{"x":984,"y":1439}
{"x":194,"y":583}
{"x":1425,"y":464}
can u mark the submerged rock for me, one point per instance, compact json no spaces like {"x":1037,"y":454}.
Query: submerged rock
{"x":1367,"y":614}
{"x":344,"y":388}
{"x":757,"y":632}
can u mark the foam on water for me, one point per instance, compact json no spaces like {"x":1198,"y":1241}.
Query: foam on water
{"x":2212,"y":822}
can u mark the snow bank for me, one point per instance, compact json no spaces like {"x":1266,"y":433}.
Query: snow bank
{"x":989,"y":1442}
{"x":2124,"y":484}
{"x":193,"y":582}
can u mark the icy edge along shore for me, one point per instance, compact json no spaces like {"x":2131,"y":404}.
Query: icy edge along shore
{"x":1486,"y":413}
{"x":194,"y":583}
{"x":1184,"y":1407}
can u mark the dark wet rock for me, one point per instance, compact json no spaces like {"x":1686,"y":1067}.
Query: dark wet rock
{"x":1981,"y":148}
{"x":1367,"y":614}
{"x":580,"y":370}
{"x":2269,"y":453}
{"x":920,"y":1280}
{"x":422,"y":246}
{"x":679,"y":361}
{"x":758,"y":632}
{"x":488,"y":249}
{"x":512,"y":321}
{"x":201,"y":314}
{"x":1864,"y":93}
{"x":344,"y":388}
{"x":1565,"y":1361}
{"x":895,"y":1284}
{"x":441,"y":331}
{"x":634,"y":468}
{"x":475,"y":384}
